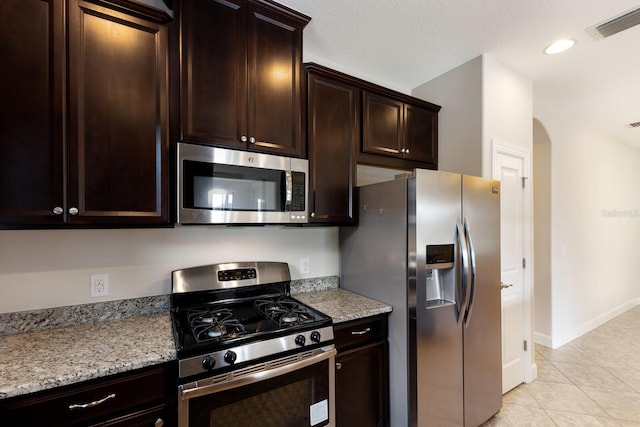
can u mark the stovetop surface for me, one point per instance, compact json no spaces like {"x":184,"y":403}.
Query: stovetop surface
{"x":214,"y":326}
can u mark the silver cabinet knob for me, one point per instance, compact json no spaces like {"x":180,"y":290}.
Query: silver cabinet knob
{"x":159,"y":422}
{"x":313,"y":214}
{"x":73,"y":211}
{"x":338,"y":365}
{"x":243,"y":138}
{"x":58,"y":210}
{"x":406,"y":151}
{"x":252,"y":140}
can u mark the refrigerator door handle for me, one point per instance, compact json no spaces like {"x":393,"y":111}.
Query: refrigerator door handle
{"x":462,"y":286}
{"x":472,"y":257}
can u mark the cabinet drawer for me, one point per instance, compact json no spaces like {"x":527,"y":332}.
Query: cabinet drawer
{"x":360,"y":332}
{"x":107,"y":398}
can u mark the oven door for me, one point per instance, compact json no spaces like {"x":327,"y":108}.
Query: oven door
{"x":294,"y":391}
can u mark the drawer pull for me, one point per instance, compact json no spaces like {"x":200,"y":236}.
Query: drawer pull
{"x":365,"y":331}
{"x":338,"y":365}
{"x":92,"y":404}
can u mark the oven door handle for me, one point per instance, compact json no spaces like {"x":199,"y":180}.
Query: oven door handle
{"x":207,"y":386}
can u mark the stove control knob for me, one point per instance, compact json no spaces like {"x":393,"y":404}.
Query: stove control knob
{"x":300,"y":340}
{"x":208,"y":363}
{"x":230,"y":357}
{"x":315,"y":336}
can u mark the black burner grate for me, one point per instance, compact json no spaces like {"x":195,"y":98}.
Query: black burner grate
{"x":284,"y":311}
{"x":214,"y":324}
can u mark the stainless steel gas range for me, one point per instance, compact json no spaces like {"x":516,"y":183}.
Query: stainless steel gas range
{"x":249,"y":353}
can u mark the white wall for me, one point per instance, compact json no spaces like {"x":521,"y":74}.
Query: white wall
{"x":459,"y":92}
{"x":542,"y":237}
{"x":594,"y":250}
{"x":51,"y":268}
{"x":507,"y":108}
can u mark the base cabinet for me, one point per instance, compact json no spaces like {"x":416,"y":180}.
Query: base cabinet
{"x":139,"y":398}
{"x":362,"y":373}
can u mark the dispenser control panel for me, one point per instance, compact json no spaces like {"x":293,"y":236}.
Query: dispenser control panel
{"x":440,"y":256}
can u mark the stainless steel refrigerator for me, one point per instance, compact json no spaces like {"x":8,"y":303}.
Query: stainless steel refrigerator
{"x":429,"y":245}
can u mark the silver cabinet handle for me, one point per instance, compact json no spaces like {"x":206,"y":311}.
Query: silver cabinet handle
{"x":73,"y":211}
{"x":338,"y":365}
{"x":58,"y":210}
{"x":243,"y":138}
{"x":406,"y":151}
{"x":159,"y":423}
{"x":505,"y":285}
{"x":252,"y":140}
{"x":92,"y":404}
{"x":365,"y":331}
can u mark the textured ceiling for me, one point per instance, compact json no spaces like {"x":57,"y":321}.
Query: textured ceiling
{"x":404,"y":43}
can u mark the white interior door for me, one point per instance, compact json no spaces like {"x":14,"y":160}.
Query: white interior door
{"x":510,"y":170}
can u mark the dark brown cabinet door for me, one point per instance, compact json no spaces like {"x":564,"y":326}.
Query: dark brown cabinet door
{"x":32,"y":49}
{"x":214,"y":72}
{"x":362,"y":373}
{"x":382,"y":125}
{"x":118,"y":110}
{"x":360,"y":387}
{"x":275,"y":104}
{"x":241,"y":75}
{"x":333,"y":123}
{"x":397,"y":133}
{"x":83,"y":125}
{"x":135,"y":398}
{"x":420,"y":135}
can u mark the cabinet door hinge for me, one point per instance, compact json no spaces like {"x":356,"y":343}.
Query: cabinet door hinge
{"x":524,"y":263}
{"x":525,"y":345}
{"x":524,"y":178}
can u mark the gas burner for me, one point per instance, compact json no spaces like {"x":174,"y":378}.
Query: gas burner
{"x":213,"y":324}
{"x":284,"y":311}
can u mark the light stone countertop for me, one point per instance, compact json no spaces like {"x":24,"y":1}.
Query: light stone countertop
{"x":342,"y":305}
{"x":41,"y":360}
{"x":44,"y":359}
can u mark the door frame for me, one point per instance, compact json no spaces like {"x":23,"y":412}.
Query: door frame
{"x":509,"y":149}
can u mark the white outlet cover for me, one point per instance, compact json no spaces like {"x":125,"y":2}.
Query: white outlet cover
{"x":304,"y":266}
{"x":99,"y":285}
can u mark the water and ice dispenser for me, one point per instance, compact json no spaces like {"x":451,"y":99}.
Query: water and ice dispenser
{"x":441,"y":275}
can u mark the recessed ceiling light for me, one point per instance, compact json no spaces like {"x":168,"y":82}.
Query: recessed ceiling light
{"x":559,"y":46}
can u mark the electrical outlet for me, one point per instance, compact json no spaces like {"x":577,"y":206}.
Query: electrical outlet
{"x":99,"y":285}
{"x":304,"y":266}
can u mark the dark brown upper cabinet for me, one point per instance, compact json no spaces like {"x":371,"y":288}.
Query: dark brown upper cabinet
{"x":333,"y":122}
{"x":241,"y":75}
{"x":404,"y":132}
{"x":84,"y":125}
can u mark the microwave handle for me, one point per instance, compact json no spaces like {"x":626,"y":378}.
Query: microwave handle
{"x":288,"y":190}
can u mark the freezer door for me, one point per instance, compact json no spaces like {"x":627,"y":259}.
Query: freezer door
{"x":482,"y":327}
{"x":436,"y":374}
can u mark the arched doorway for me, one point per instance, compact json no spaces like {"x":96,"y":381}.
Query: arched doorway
{"x":542,"y":234}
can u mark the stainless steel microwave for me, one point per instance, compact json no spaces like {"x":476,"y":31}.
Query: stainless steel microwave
{"x":222,"y":186}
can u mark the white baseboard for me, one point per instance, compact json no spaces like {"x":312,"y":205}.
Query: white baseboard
{"x":542,"y":339}
{"x":564,"y":338}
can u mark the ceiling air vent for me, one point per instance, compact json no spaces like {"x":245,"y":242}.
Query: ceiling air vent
{"x":634,"y":125}
{"x":615,"y":25}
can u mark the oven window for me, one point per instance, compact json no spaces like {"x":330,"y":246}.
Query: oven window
{"x":295,"y":399}
{"x":227,"y":187}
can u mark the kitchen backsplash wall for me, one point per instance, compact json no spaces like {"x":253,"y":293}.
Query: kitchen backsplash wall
{"x":52,"y":268}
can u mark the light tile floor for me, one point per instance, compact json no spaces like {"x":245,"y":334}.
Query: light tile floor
{"x":591,"y":381}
